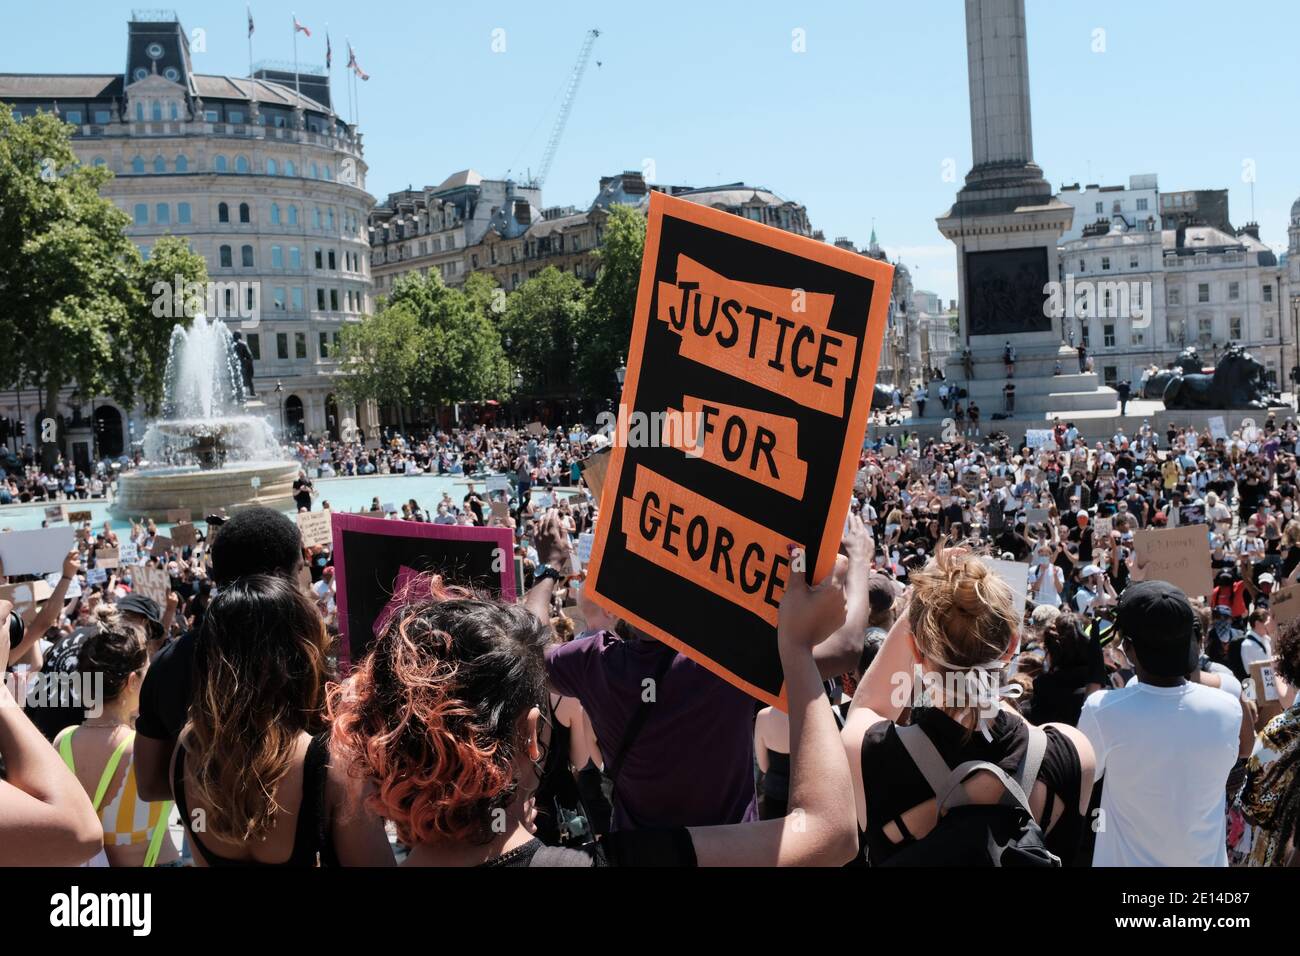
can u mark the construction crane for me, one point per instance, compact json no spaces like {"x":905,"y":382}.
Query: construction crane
{"x":566,"y":106}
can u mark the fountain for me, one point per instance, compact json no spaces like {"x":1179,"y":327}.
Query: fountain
{"x":206,"y":452}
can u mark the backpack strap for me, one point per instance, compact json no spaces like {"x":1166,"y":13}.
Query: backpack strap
{"x":926,"y":756}
{"x":637,"y":723}
{"x":1032,"y":762}
{"x":954,"y":795}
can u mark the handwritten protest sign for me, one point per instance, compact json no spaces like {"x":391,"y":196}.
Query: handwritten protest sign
{"x":1268,"y":700}
{"x":1180,"y":556}
{"x":38,"y":551}
{"x":96,"y":576}
{"x":315,"y":528}
{"x":1037,"y":438}
{"x":161,"y":545}
{"x":55,"y":513}
{"x":107,"y":558}
{"x":1218,"y":428}
{"x":497,"y":483}
{"x":755,"y":352}
{"x":78,"y":517}
{"x":535,"y":428}
{"x":1102,"y":528}
{"x":1035,"y":516}
{"x":373,"y":556}
{"x":152,"y":583}
{"x":128,"y":552}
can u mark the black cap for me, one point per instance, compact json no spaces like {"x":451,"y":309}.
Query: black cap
{"x":1157,"y":619}
{"x":146,"y":607}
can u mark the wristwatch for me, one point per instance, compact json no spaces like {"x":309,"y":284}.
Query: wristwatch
{"x":544,"y":571}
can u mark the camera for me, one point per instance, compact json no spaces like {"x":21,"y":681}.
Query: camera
{"x":16,"y":629}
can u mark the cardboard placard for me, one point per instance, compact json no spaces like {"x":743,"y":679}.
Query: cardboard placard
{"x":1180,"y":556}
{"x":1268,"y":701}
{"x":22,"y":596}
{"x":37,"y":551}
{"x":535,"y":428}
{"x":152,"y":583}
{"x":497,"y":483}
{"x":107,"y":558}
{"x":1102,"y":528}
{"x":315,"y":527}
{"x":177,"y":515}
{"x":78,"y":517}
{"x":1284,"y":605}
{"x":501,"y":510}
{"x":594,"y":467}
{"x":541,"y":500}
{"x":765,"y":345}
{"x":185,"y":535}
{"x":1218,"y":428}
{"x":1016,"y":575}
{"x":55,"y":513}
{"x":161,"y":545}
{"x":888,"y":451}
{"x":1035,"y":516}
{"x":373,"y":556}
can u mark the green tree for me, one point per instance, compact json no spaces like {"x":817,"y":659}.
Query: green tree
{"x":606,"y":327}
{"x":172,"y":282}
{"x":542,"y":322}
{"x":427,"y":344}
{"x":71,"y":305}
{"x":380,"y":357}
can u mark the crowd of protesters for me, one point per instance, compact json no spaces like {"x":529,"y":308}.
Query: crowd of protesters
{"x":1108,"y":720}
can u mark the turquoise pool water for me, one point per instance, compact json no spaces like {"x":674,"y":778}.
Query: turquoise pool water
{"x":343,"y":494}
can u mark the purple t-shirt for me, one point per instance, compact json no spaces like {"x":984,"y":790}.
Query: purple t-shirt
{"x":693,"y":762}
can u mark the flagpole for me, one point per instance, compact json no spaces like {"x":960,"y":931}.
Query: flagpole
{"x":249,"y":8}
{"x":296,"y":85}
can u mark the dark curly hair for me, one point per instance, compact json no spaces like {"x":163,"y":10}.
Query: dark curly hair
{"x":1287,"y":649}
{"x":431,"y":715}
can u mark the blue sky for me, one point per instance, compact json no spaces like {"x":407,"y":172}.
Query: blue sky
{"x":857,"y":127}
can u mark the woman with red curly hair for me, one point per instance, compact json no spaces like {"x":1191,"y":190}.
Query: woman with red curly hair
{"x":443,"y":717}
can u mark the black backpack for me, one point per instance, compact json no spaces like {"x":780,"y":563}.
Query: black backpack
{"x":971,"y":834}
{"x":1234,"y":660}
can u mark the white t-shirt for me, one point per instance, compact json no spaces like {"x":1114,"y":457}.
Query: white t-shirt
{"x":1228,"y":682}
{"x":1164,"y":754}
{"x":1252,"y":653}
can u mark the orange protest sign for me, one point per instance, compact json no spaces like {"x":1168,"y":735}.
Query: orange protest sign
{"x":749,"y":380}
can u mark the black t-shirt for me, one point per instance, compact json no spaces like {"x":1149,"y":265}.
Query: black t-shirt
{"x":894,"y":784}
{"x":165,"y":694}
{"x":302,"y":492}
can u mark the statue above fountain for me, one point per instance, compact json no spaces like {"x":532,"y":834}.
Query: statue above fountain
{"x":206,"y":450}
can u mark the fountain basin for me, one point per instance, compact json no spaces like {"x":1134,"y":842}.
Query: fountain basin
{"x":153,"y":492}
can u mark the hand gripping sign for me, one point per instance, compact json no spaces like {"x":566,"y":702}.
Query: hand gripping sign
{"x":753,"y":356}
